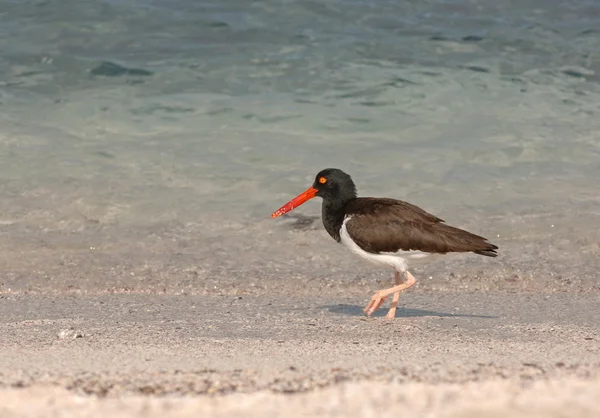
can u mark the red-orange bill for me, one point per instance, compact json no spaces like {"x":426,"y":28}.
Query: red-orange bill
{"x":295,"y":202}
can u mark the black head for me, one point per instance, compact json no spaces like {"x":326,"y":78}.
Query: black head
{"x":334,"y":185}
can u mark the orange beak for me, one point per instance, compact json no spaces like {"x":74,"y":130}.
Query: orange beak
{"x":295,"y":202}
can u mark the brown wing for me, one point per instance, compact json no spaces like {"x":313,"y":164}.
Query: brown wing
{"x":389,"y":225}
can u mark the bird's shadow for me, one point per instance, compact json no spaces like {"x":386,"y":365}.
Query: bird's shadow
{"x":355,"y":310}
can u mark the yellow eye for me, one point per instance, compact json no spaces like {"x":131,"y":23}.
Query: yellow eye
{"x":322,"y":180}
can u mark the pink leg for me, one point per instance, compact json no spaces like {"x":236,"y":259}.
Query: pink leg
{"x":398,"y":280}
{"x":392,"y":312}
{"x":379,"y":297}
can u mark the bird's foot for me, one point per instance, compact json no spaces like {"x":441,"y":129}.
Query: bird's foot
{"x":380,"y":297}
{"x":375,"y":303}
{"x":391,"y":314}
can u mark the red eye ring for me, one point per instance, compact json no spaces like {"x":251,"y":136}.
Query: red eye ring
{"x":322,"y":180}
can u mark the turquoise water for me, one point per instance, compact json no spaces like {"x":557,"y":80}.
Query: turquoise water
{"x":189,"y":120}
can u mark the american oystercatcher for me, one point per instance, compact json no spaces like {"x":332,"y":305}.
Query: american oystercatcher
{"x":386,"y":232}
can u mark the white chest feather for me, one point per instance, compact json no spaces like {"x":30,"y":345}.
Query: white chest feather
{"x":397,"y":260}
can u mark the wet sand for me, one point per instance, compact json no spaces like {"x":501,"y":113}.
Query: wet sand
{"x":447,"y":354}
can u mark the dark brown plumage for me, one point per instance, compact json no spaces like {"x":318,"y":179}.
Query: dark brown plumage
{"x":389,"y":225}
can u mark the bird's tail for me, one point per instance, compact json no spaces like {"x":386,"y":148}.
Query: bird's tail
{"x":488,"y":252}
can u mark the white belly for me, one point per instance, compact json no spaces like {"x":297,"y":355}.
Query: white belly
{"x":397,"y":260}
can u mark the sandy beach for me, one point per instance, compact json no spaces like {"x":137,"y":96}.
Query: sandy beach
{"x":256,"y":318}
{"x":448,"y":354}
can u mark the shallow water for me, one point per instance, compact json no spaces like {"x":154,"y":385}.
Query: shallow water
{"x":135,"y":127}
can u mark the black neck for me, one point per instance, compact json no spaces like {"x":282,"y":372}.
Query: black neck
{"x":332,"y":214}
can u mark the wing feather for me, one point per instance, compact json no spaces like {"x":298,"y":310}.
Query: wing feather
{"x":389,"y":225}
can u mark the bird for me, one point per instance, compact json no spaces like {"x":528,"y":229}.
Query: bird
{"x":384,"y":231}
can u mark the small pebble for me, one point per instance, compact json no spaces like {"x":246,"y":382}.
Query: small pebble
{"x":70,"y":334}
